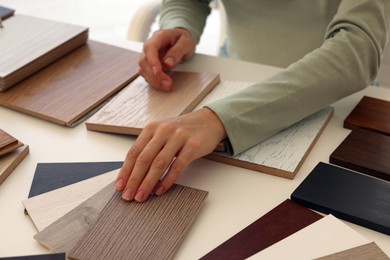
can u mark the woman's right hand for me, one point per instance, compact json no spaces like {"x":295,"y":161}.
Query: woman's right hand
{"x":162,"y":52}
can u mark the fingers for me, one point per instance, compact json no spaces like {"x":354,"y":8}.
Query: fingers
{"x":163,"y":51}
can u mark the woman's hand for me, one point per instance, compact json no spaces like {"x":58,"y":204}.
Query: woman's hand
{"x":169,"y":145}
{"x":163,"y":51}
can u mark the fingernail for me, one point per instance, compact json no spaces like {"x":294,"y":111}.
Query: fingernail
{"x":160,"y":190}
{"x":165,"y":85}
{"x":119,"y":184}
{"x":140,"y":196}
{"x":170,"y":61}
{"x":154,"y":69}
{"x":127,"y":195}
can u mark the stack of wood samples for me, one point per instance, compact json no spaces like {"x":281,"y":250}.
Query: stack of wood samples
{"x":28,"y":44}
{"x":73,"y":86}
{"x":12,"y":152}
{"x":137,"y":104}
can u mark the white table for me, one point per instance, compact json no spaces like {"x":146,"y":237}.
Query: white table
{"x":237,"y":197}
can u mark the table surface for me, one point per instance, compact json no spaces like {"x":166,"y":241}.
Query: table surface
{"x":237,"y":196}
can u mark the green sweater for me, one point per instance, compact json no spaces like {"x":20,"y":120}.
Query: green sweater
{"x":329,"y":49}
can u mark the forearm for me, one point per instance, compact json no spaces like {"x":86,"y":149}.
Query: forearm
{"x":190,"y":15}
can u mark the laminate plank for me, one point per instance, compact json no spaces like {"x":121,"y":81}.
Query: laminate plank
{"x":8,"y":143}
{"x":6,"y":12}
{"x":280,"y":155}
{"x":351,"y":196}
{"x":137,"y":104}
{"x":64,"y":233}
{"x":46,"y":208}
{"x":364,"y":151}
{"x":150,"y":230}
{"x":11,"y":160}
{"x":265,"y":231}
{"x":371,"y":114}
{"x":51,"y":176}
{"x":363,"y":252}
{"x":58,"y":256}
{"x":70,"y":88}
{"x":325,"y":236}
{"x":29,"y":43}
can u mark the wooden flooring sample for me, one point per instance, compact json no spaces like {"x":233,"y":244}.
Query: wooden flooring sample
{"x":138,"y":104}
{"x":8,"y":143}
{"x":351,"y":196}
{"x":51,"y":176}
{"x":46,"y":208}
{"x":325,"y":236}
{"x":11,"y":160}
{"x":64,"y":233}
{"x":363,"y":252}
{"x":75,"y":85}
{"x":59,"y":256}
{"x":364,"y":151}
{"x":282,"y":221}
{"x":150,"y":230}
{"x":6,"y":12}
{"x":282,"y":154}
{"x":29,"y":43}
{"x":370,"y":113}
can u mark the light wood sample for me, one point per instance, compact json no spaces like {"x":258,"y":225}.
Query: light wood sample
{"x":137,"y":104}
{"x":64,"y":233}
{"x":30,"y":43}
{"x":46,"y":208}
{"x":363,"y":252}
{"x":282,"y":154}
{"x":11,"y":160}
{"x":150,"y":230}
{"x":70,"y":88}
{"x":8,"y":143}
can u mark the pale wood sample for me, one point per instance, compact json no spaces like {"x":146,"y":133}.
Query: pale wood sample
{"x":46,"y":208}
{"x":11,"y":160}
{"x":325,"y":236}
{"x":363,"y":252}
{"x":73,"y":86}
{"x":138,"y":104}
{"x":283,"y":153}
{"x":64,"y":233}
{"x":29,"y":43}
{"x":150,"y":230}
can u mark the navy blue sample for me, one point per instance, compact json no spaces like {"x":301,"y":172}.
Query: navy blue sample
{"x":57,"y":256}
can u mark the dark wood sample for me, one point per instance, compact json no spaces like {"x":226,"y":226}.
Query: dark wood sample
{"x":150,"y":230}
{"x":57,"y":256}
{"x":363,"y":252}
{"x":29,"y":44}
{"x":67,"y":90}
{"x":8,"y":143}
{"x":57,"y":236}
{"x":279,"y":223}
{"x":370,"y":113}
{"x":348,"y":195}
{"x":51,"y":176}
{"x":6,"y":12}
{"x":364,"y":151}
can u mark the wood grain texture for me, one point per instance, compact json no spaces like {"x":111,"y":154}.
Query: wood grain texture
{"x":51,"y":176}
{"x":348,"y":195}
{"x":282,"y":154}
{"x":267,"y":230}
{"x":64,"y":233}
{"x":138,"y":104}
{"x":364,"y":151}
{"x":370,"y":113}
{"x":150,"y":230}
{"x":75,"y":85}
{"x":6,"y":12}
{"x":11,"y":160}
{"x":8,"y":143}
{"x":46,"y":208}
{"x":30,"y":43}
{"x":363,"y":252}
